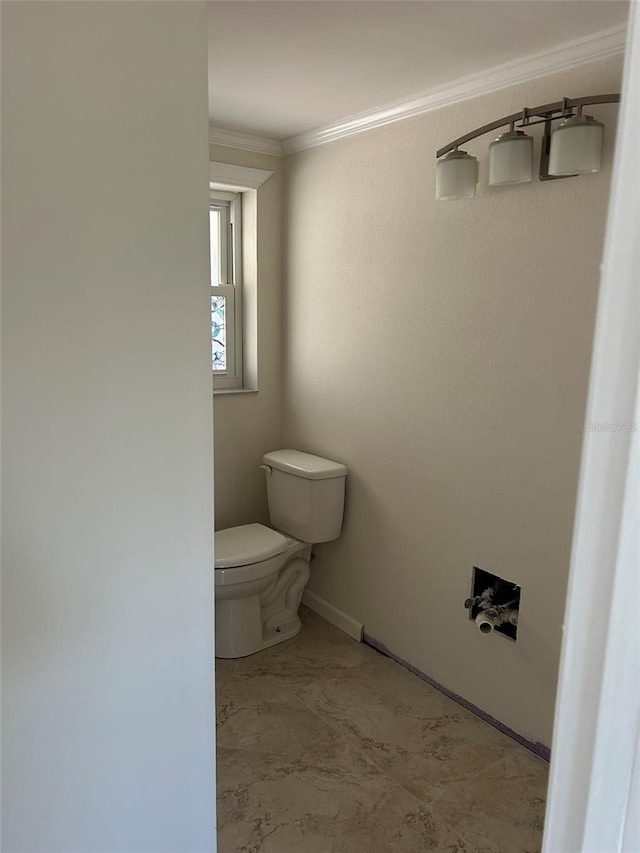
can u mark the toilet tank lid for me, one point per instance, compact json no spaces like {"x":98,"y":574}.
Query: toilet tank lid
{"x":247,"y":544}
{"x":304,"y":464}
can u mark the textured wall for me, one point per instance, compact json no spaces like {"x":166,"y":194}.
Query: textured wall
{"x":441,"y":351}
{"x":107,"y":589}
{"x":248,"y":425}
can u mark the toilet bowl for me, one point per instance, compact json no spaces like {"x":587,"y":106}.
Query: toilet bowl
{"x":259,"y":578}
{"x":260,"y":572}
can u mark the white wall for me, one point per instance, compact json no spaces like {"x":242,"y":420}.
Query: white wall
{"x":593,"y":803}
{"x":441,"y":351}
{"x":107,"y":657}
{"x":249,"y":425}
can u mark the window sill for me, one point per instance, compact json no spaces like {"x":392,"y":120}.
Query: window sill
{"x":223,"y":392}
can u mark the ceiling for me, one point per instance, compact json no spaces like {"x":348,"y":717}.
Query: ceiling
{"x":278,"y":68}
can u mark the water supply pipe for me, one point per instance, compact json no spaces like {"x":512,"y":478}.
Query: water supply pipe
{"x":487,"y":620}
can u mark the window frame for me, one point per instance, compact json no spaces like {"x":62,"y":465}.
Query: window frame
{"x":229,"y":206}
{"x":247,"y":181}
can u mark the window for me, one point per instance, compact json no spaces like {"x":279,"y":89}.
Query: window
{"x":226,"y":289}
{"x":234,"y":275}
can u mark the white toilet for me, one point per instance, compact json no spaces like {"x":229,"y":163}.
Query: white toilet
{"x":260,"y":572}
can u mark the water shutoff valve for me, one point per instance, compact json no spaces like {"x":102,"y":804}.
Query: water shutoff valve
{"x":494,"y":604}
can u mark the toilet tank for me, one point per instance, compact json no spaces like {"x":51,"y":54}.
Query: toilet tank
{"x":306,"y":494}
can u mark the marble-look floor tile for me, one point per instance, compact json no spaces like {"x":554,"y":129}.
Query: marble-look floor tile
{"x":501,"y":810}
{"x":331,"y":802}
{"x":262,"y":714}
{"x":326,"y":746}
{"x":420,"y":737}
{"x":319,"y":650}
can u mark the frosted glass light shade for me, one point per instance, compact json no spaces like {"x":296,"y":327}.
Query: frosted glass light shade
{"x":576,"y":147}
{"x":511,"y":159}
{"x":456,"y":176}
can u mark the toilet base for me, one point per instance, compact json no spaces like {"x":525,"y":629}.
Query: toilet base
{"x":247,"y":624}
{"x":230,"y":645}
{"x":282,"y":633}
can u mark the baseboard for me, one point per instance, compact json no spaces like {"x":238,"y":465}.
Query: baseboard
{"x":341,"y":620}
{"x":539,"y":749}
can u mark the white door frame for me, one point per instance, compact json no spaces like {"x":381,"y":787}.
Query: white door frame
{"x":594,"y":788}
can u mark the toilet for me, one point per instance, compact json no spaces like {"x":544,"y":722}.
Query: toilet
{"x":260,"y":572}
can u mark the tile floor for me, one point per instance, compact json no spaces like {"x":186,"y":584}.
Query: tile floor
{"x":327,"y":746}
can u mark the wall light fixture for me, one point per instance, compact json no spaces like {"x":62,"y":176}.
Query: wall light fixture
{"x":573,"y":148}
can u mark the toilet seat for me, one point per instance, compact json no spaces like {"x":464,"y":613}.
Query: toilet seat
{"x":247,"y":545}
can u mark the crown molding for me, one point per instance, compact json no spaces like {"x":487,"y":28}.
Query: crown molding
{"x":244,"y":141}
{"x":236,"y":178}
{"x":571,"y":54}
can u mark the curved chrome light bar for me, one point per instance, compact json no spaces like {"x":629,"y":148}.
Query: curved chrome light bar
{"x":528,"y":116}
